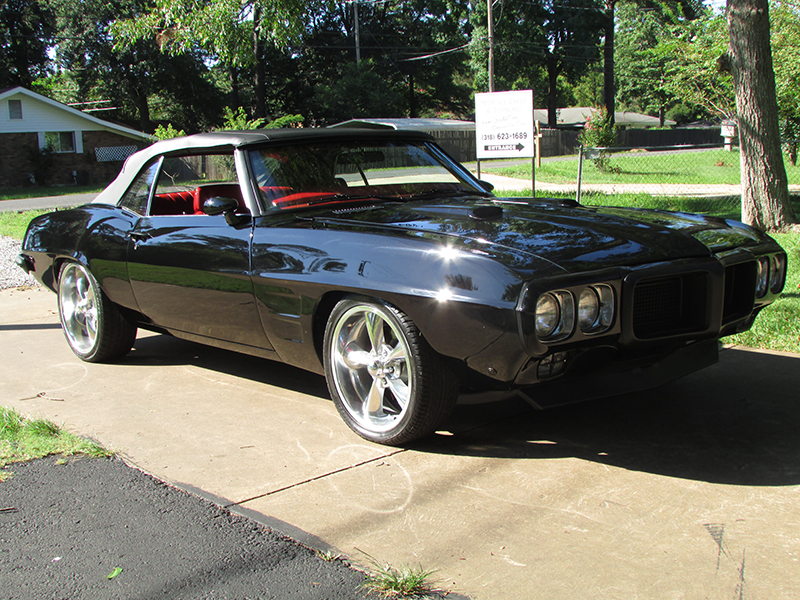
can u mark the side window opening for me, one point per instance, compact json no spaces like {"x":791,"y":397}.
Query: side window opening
{"x":186,"y":182}
{"x":138,"y":195}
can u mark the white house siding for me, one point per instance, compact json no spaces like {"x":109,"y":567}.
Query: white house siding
{"x":20,"y":139}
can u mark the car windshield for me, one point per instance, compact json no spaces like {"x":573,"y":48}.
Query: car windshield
{"x":311,"y":174}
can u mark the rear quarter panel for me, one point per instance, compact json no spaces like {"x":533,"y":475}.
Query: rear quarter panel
{"x":93,"y":235}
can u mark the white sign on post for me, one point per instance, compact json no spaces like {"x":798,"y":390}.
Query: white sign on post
{"x":504,"y":125}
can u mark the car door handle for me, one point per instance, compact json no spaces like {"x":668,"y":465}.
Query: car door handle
{"x":137,"y":237}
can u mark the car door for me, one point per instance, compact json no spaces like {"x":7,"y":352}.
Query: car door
{"x":190,"y":272}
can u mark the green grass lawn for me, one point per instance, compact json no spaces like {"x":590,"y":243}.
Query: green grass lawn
{"x":700,"y":167}
{"x":23,"y":438}
{"x":778,"y":325}
{"x":14,"y":224}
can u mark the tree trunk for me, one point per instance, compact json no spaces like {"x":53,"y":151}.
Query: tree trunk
{"x":143,"y":108}
{"x":234,"y":76}
{"x":609,"y":91}
{"x":260,"y":72}
{"x":765,"y":188}
{"x":412,"y":100}
{"x":552,"y":93}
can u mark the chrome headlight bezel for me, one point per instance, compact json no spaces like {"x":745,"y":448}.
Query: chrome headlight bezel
{"x":582,"y":310}
{"x":596,"y":309}
{"x":777,"y":277}
{"x":554,"y":316}
{"x":762,"y":276}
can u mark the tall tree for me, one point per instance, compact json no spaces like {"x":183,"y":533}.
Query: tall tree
{"x":692,"y":71}
{"x":26,"y":31}
{"x":786,"y":56}
{"x":641,"y":71}
{"x":572,"y":30}
{"x":609,"y":89}
{"x":518,"y":44}
{"x":144,"y":84}
{"x":231,"y":31}
{"x":539,"y":45}
{"x":765,"y":189}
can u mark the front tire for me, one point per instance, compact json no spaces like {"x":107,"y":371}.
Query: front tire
{"x":388,"y":385}
{"x":95,"y":329}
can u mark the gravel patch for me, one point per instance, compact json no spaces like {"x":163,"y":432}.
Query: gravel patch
{"x":11,"y":275}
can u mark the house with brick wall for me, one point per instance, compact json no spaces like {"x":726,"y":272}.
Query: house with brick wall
{"x":44,"y":142}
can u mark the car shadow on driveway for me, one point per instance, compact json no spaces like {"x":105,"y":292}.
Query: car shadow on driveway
{"x":737,"y":422}
{"x":160,"y":350}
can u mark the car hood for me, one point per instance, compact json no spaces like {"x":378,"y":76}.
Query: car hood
{"x":563,"y":233}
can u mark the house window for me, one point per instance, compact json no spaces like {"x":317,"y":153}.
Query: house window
{"x":60,"y":141}
{"x":15,"y":110}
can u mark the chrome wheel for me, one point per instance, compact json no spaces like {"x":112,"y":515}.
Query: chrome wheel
{"x":94,"y":327}
{"x":373,"y":370}
{"x":387,"y":383}
{"x":78,"y":307}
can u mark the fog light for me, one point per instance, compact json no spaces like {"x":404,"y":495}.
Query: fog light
{"x":552,"y":365}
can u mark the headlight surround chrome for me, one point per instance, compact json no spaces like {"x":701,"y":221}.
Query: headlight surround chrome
{"x":777,"y":273}
{"x":588,"y":309}
{"x":555,"y":315}
{"x":762,"y":276}
{"x":596,"y":311}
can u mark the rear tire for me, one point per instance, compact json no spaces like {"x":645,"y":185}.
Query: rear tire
{"x":388,"y":385}
{"x":95,"y":329}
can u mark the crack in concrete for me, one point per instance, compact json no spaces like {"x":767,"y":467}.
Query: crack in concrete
{"x":317,"y":478}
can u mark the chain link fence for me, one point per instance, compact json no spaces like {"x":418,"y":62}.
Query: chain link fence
{"x":703,"y":179}
{"x":700,"y":178}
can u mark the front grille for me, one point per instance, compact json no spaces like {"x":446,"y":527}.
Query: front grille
{"x":666,"y":306}
{"x":740,"y":291}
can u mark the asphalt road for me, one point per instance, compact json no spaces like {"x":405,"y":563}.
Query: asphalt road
{"x":66,"y":527}
{"x":48,"y":202}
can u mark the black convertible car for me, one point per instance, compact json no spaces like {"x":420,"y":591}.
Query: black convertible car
{"x":375,"y":259}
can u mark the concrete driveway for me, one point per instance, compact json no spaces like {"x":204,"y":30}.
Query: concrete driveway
{"x":691,"y":491}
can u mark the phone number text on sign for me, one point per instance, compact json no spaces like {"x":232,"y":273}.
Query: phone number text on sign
{"x":517,"y":135}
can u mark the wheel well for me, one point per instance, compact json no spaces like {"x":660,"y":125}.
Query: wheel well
{"x":321,"y":315}
{"x":323,"y":312}
{"x":58,"y":264}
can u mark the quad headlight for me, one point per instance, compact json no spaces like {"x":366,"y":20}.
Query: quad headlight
{"x":558,"y":313}
{"x":770,"y":274}
{"x":777,"y":273}
{"x":596,"y":309}
{"x":762,"y":276}
{"x":555,"y":315}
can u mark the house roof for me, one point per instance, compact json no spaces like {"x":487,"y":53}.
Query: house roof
{"x":566,"y":117}
{"x":94,"y":121}
{"x":577,"y":117}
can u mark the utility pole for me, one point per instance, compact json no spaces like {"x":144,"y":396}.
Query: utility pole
{"x":358,"y":36}
{"x":491,"y":45}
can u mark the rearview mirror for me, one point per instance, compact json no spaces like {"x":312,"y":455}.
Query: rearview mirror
{"x":359,"y":157}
